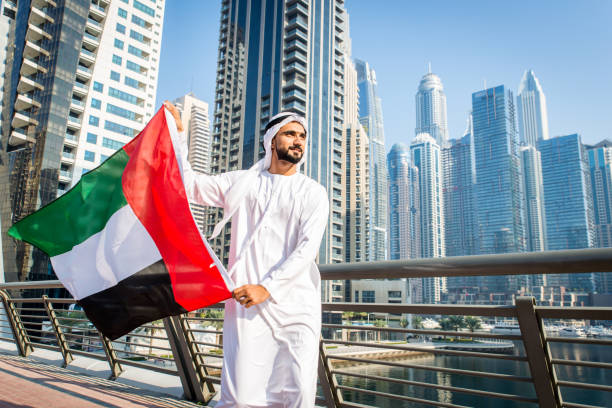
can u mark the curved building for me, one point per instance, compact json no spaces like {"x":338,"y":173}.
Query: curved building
{"x":431,"y":109}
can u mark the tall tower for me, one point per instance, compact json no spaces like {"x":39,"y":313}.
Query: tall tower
{"x":535,"y":231}
{"x":425,"y":156}
{"x":568,"y":202}
{"x":600,"y":169}
{"x":499,"y":195}
{"x":531,"y":106}
{"x":371,"y":117}
{"x":404,"y":205}
{"x":194,"y":115}
{"x":282,"y":55}
{"x":431,"y":108}
{"x":80,"y":82}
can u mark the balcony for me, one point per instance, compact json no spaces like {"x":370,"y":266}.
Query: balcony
{"x":91,"y":40}
{"x":30,"y":67}
{"x":19,"y":137}
{"x":74,"y":123}
{"x":97,"y":11}
{"x":42,"y":4}
{"x":28,"y":84}
{"x":40,"y":16}
{"x":23,"y":119}
{"x":65,"y":176}
{"x":93,"y":25}
{"x":25,"y":101}
{"x":84,"y":72}
{"x":296,"y":55}
{"x":67,"y":157}
{"x":70,"y":140}
{"x":77,"y":106}
{"x":87,"y":56}
{"x":80,"y":89}
{"x":36,"y":33}
{"x":33,"y":50}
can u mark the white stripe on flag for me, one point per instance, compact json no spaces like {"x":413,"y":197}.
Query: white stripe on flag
{"x":121,"y":249}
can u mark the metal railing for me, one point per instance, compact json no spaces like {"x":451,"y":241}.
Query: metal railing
{"x":361,"y":364}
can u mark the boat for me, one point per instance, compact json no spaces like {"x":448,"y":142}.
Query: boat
{"x":571,"y":331}
{"x":506,"y":328}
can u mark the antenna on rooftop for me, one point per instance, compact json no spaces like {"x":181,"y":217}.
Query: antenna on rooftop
{"x":429,"y":67}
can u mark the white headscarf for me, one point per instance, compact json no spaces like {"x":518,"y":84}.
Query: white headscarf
{"x":247,"y":181}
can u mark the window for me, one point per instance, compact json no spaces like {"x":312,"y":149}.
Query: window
{"x":120,"y":28}
{"x":117,"y":128}
{"x":139,"y":21}
{"x":122,"y":13}
{"x":94,"y":120}
{"x":137,"y":36}
{"x":98,"y":87}
{"x":131,"y":82}
{"x":103,"y":158}
{"x":124,"y":96}
{"x":137,"y":52}
{"x":112,"y":144}
{"x":91,"y":138}
{"x":85,"y":171}
{"x":118,"y":43}
{"x":394,"y":293}
{"x":139,"y":6}
{"x":133,"y":66}
{"x":96,"y":103}
{"x":90,"y":156}
{"x":367,"y":296}
{"x":116,"y":59}
{"x":115,"y":76}
{"x":124,"y":113}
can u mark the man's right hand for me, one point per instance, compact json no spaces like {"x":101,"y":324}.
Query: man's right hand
{"x":175,"y":114}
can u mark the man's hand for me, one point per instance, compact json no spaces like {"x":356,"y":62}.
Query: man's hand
{"x":175,"y":114}
{"x":250,"y":295}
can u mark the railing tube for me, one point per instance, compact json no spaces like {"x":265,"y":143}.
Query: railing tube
{"x":21,"y":336}
{"x":59,"y":333}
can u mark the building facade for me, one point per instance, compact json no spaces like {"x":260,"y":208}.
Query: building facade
{"x":371,"y":117}
{"x":431,"y":109}
{"x":600,"y":169}
{"x":535,"y":231}
{"x":279,"y":55}
{"x":71,"y":106}
{"x":194,"y":115}
{"x":568,"y":203}
{"x":531,"y":107}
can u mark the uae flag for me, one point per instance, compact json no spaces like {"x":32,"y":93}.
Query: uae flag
{"x":123,"y":240}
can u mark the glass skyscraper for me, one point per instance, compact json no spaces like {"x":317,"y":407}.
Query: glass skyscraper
{"x":431,"y":109}
{"x":80,"y":82}
{"x":600,"y":169}
{"x":270,"y":54}
{"x":371,"y":117}
{"x":568,"y":202}
{"x":535,"y":231}
{"x":498,"y":181}
{"x":532,"y":113}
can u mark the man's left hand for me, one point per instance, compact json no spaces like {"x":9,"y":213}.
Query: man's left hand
{"x":250,"y":295}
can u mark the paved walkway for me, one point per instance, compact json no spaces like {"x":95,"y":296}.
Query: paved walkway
{"x":26,"y":383}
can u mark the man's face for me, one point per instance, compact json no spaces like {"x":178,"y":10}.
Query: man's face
{"x":290,"y":143}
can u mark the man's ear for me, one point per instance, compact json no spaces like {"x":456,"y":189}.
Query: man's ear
{"x":273,"y":143}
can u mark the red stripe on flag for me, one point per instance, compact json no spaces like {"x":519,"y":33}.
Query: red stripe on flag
{"x":154,"y":188}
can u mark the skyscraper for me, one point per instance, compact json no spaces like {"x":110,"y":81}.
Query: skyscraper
{"x":431,"y":109}
{"x":600,"y":168}
{"x":194,"y":115}
{"x":71,"y":106}
{"x":371,"y":117}
{"x":535,"y":231}
{"x":568,"y":202}
{"x":531,"y":106}
{"x":270,"y":54}
{"x":425,"y":156}
{"x":404,"y":205}
{"x":499,"y":194}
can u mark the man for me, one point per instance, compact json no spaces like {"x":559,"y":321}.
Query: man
{"x":273,"y":323}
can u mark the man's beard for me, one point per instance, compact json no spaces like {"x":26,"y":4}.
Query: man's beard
{"x":283,"y":154}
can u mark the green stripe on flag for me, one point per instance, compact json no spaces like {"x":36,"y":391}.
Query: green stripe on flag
{"x":78,"y":214}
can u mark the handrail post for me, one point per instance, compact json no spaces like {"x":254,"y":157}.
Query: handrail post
{"x":538,"y":353}
{"x":59,"y":333}
{"x":329,"y":383}
{"x":111,"y":357}
{"x":21,"y":336}
{"x":185,"y":364}
{"x":198,"y":360}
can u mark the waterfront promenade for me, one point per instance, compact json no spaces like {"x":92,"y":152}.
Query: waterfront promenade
{"x":39,"y":380}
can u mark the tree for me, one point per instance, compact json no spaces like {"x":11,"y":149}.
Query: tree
{"x":473,"y":323}
{"x":403,"y":323}
{"x":445,"y":325}
{"x":457,"y":322}
{"x":348,"y":316}
{"x":417,"y":322}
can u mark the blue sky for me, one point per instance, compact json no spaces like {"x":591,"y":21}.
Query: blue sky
{"x":567,"y":43}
